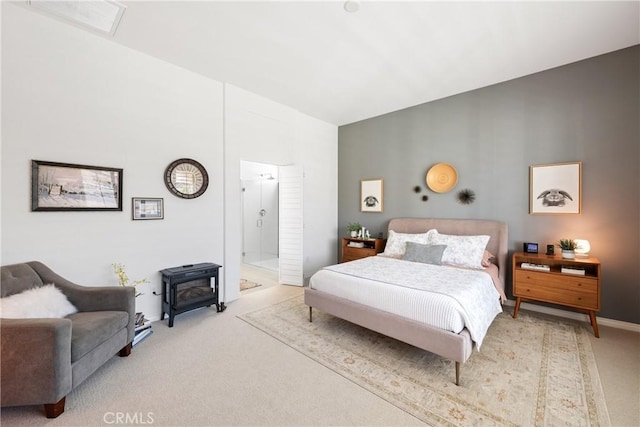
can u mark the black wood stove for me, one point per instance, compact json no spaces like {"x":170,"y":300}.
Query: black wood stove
{"x":188,"y":287}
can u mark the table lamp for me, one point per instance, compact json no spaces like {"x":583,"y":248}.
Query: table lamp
{"x":582,"y":251}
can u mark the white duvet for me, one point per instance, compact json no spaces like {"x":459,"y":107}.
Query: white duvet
{"x":445,"y":297}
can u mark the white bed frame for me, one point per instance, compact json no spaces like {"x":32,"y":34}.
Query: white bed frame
{"x":456,"y":347}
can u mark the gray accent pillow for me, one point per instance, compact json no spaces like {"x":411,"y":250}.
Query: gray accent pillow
{"x":427,"y":254}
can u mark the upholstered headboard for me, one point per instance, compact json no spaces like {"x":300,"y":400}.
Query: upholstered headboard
{"x":498,"y":243}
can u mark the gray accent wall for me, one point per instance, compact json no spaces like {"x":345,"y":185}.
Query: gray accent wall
{"x":586,"y":111}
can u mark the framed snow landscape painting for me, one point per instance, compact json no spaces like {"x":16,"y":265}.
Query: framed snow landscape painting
{"x":68,"y":187}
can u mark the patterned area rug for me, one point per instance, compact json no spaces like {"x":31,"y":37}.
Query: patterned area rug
{"x":246,"y":284}
{"x":531,"y":371}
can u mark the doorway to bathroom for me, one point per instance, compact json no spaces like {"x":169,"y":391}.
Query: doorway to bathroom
{"x":260,"y":233}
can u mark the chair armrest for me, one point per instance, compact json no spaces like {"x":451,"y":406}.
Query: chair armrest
{"x":100,"y":298}
{"x":92,"y":298}
{"x":35,"y":360}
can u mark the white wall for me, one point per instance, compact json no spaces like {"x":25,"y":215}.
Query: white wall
{"x":319,"y":158}
{"x":74,"y":97}
{"x":69,"y":96}
{"x":260,"y":130}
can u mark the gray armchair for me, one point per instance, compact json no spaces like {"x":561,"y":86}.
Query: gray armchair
{"x":42,"y":360}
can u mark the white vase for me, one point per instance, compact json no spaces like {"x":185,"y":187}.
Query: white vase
{"x":354,"y":234}
{"x":568,"y":254}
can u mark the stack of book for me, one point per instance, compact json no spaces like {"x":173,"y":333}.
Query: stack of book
{"x":530,"y":266}
{"x":142,"y":328}
{"x":572,"y":270}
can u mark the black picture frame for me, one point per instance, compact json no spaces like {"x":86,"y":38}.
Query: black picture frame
{"x":71,"y":187}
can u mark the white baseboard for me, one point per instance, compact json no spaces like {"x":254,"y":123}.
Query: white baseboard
{"x":627,"y":326}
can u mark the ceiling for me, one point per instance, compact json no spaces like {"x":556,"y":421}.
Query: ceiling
{"x":344,"y":67}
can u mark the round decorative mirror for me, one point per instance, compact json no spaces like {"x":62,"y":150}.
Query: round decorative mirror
{"x":186,"y":178}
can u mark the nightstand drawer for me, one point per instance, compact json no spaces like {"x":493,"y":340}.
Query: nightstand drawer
{"x":580,"y":284}
{"x":351,"y":258}
{"x":555,"y":295}
{"x":368,"y":247}
{"x":552,"y":286}
{"x":355,"y":253}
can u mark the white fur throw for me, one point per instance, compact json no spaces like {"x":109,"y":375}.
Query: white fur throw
{"x":40,"y":302}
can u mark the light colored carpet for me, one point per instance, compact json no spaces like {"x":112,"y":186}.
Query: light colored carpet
{"x":530,"y":371}
{"x":215,"y":369}
{"x":248,"y":284}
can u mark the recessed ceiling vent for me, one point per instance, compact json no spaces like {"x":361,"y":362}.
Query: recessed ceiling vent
{"x":352,"y":6}
{"x":100,"y":15}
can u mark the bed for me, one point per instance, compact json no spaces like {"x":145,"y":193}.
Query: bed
{"x":327,"y":287}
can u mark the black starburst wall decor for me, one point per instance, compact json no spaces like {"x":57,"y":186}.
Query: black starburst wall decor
{"x":466,"y":196}
{"x":417,"y":189}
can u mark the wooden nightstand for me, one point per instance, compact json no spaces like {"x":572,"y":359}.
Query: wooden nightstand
{"x":553,"y":286}
{"x":370,"y":247}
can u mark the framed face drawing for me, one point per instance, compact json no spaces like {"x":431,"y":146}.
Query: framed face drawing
{"x":371,"y":195}
{"x":555,"y":188}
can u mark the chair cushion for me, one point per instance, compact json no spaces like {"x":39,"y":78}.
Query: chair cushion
{"x":17,"y":278}
{"x":90,"y":329}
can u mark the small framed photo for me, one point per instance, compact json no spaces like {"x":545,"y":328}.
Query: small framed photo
{"x":68,"y":187}
{"x":147,"y":208}
{"x":555,"y":188}
{"x":371,"y":195}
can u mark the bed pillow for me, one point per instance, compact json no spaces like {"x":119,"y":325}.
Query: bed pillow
{"x":396,"y":243}
{"x":40,"y":302}
{"x":461,"y":251}
{"x":426,"y":254}
{"x":488,"y":258}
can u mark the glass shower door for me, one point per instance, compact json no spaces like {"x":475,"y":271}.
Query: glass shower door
{"x":260,"y":222}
